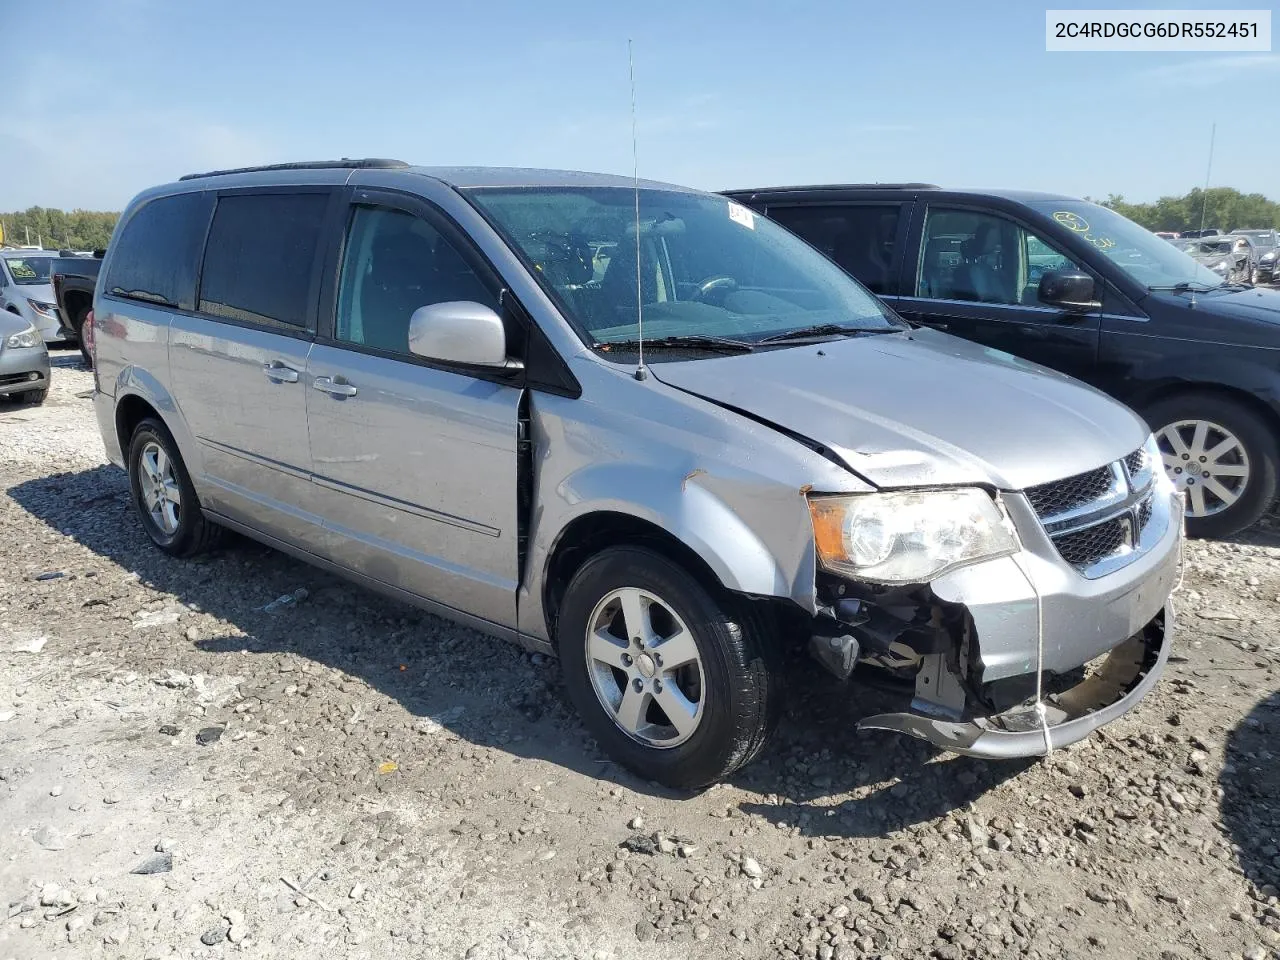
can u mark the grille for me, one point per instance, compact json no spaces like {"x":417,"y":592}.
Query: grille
{"x":1144,"y":513}
{"x":1083,"y":548}
{"x":9,"y":379}
{"x":1068,"y":509}
{"x":1059,"y":496}
{"x":1137,"y":463}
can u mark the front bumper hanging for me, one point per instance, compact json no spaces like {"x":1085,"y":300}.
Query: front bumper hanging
{"x":1124,"y":677}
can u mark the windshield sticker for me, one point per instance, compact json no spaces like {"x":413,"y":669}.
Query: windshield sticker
{"x":1072,"y":221}
{"x":1078,"y":224}
{"x":740,"y":214}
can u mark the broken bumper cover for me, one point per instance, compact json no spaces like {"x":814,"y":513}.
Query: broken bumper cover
{"x":1126,"y":675}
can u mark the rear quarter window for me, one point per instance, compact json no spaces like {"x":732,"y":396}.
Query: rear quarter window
{"x":259,"y":259}
{"x":158,"y":253}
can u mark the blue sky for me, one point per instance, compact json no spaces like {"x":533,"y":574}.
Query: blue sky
{"x":105,"y":98}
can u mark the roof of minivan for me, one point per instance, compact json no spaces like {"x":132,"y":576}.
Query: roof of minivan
{"x":467,"y":177}
{"x":460,"y":177}
{"x":1017,"y":196}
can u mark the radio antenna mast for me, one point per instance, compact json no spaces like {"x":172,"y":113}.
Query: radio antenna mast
{"x":641,"y":372}
{"x":1204,"y":198}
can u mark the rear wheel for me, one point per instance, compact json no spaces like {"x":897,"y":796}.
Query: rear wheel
{"x":676,"y":683}
{"x":163,"y":494}
{"x":1221,"y":455}
{"x":77,"y":324}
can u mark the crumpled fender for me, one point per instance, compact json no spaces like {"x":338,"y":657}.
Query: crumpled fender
{"x":690,"y":510}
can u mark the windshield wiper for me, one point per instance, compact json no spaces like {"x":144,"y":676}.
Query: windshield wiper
{"x":696,"y":341}
{"x":1184,"y":286}
{"x":822,"y":330}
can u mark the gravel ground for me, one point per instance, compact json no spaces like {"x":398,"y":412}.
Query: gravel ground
{"x":183,"y":773}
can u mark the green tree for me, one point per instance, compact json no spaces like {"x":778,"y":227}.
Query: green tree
{"x":1223,"y":207}
{"x":56,"y":229}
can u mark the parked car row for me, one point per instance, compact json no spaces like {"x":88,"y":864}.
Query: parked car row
{"x":652,"y":431}
{"x":1230,"y":257}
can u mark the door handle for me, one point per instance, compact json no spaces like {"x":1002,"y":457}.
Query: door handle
{"x":335,"y":387}
{"x":279,"y":373}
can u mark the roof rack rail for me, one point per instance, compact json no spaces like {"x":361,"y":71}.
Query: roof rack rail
{"x":838,"y":186}
{"x":343,"y":164}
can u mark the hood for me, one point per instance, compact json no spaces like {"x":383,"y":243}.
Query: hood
{"x":922,"y":408}
{"x":1235,"y":303}
{"x":11,"y":323}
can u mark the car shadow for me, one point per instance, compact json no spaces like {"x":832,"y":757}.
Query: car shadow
{"x":497,"y":695}
{"x":820,"y":759}
{"x":1250,"y":783}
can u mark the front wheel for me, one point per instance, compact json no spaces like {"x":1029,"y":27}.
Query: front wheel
{"x":1221,"y":455}
{"x":677,"y":684}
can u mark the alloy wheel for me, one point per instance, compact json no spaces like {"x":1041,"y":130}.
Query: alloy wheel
{"x":158,"y":485}
{"x":645,"y":667}
{"x":1207,"y":462}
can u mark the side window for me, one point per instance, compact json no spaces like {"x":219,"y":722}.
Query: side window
{"x":859,"y":237}
{"x":157,"y":255}
{"x":258,"y":262}
{"x":394,"y":263}
{"x":966,"y":255}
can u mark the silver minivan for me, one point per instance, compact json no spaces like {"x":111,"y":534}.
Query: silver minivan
{"x":644,"y":429}
{"x":26,"y":290}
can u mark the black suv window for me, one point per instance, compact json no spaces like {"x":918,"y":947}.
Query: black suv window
{"x":158,"y":252}
{"x":859,"y":237}
{"x":257,"y":265}
{"x":968,"y":255}
{"x":393,"y":264}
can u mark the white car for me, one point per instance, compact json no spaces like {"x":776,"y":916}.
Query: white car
{"x":25,"y":289}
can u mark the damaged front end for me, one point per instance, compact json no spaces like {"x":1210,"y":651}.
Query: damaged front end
{"x":910,"y":641}
{"x":1014,"y":655}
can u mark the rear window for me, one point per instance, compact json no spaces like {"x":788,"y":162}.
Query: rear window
{"x":156,"y":257}
{"x":859,"y":237}
{"x":258,"y":262}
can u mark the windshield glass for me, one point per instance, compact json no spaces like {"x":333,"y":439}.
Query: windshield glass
{"x":29,"y":269}
{"x":708,"y":267}
{"x":1260,"y":238}
{"x":1136,"y":250}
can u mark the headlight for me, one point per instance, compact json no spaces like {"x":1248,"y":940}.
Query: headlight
{"x":908,"y":537}
{"x":1221,"y":267}
{"x":24,"y":338}
{"x":1268,"y":257}
{"x":42,"y":308}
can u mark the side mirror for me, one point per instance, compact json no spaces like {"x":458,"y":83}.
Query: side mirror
{"x":460,"y":332}
{"x":1070,"y":291}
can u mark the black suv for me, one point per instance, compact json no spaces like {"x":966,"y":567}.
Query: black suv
{"x":1079,"y":288}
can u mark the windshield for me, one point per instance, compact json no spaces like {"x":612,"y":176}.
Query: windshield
{"x":28,"y":270}
{"x":707,"y":266}
{"x":1137,"y":251}
{"x":1260,"y":238}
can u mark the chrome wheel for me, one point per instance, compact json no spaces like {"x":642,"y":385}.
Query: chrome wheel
{"x":1207,"y":462}
{"x":158,"y":486}
{"x":645,"y":667}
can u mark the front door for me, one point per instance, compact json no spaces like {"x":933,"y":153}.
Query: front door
{"x":414,"y":464}
{"x":977,"y":276}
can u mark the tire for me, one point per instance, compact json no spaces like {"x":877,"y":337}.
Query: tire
{"x":77,"y":324}
{"x":1257,"y":455}
{"x":33,"y":397}
{"x":739,"y":695}
{"x":190,"y":532}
